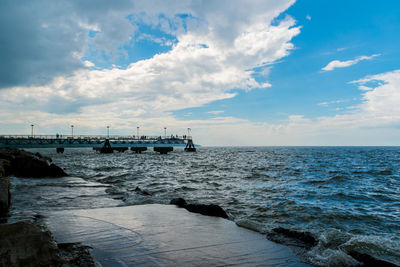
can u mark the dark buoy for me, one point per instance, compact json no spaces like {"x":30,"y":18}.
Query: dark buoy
{"x":190,"y":146}
{"x":60,"y":150}
{"x":106,"y":149}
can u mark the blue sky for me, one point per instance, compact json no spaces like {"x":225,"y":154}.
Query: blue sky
{"x":236,"y":72}
{"x":298,"y":85}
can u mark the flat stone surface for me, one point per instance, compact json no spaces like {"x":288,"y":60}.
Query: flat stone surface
{"x":155,"y":235}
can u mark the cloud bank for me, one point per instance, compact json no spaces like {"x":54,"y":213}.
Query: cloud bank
{"x":218,"y":46}
{"x":375,"y":121}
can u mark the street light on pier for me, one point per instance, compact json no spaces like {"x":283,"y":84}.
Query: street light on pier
{"x":72,"y":131}
{"x":32,"y":125}
{"x":137,"y":131}
{"x":108,"y":131}
{"x":165,"y":132}
{"x":189,"y":132}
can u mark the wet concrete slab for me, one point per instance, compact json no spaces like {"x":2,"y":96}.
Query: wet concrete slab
{"x":164,"y":235}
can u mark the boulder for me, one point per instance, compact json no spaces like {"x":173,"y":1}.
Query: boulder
{"x":5,"y":166}
{"x":26,"y":164}
{"x":369,"y":261}
{"x":291,"y":237}
{"x":75,"y":254}
{"x":37,"y":154}
{"x":5,"y":196}
{"x":180,"y":202}
{"x":55,"y":171}
{"x":26,"y":244}
{"x":209,"y":210}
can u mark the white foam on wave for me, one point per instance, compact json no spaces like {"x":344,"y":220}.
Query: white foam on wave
{"x":334,"y":246}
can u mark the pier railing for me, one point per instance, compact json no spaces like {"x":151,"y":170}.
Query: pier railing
{"x":107,"y":143}
{"x":97,"y":137}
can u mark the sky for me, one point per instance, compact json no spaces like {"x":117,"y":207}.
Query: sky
{"x":238,"y":73}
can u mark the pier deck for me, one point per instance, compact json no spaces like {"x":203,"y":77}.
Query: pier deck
{"x":96,"y":142}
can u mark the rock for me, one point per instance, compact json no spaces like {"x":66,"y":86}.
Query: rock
{"x":291,"y":237}
{"x":5,"y":166}
{"x":5,"y":193}
{"x":75,"y":254}
{"x":55,"y":171}
{"x":369,"y":261}
{"x":5,"y":196}
{"x":26,"y":244}
{"x":37,"y":154}
{"x":209,"y":210}
{"x":27,"y":164}
{"x":180,"y":202}
{"x":142,"y":192}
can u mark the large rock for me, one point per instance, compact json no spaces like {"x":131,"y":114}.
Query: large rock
{"x":76,"y":254}
{"x":26,"y":244}
{"x":369,"y":261}
{"x":291,"y":237}
{"x":5,"y":167}
{"x":26,"y":164}
{"x":5,"y":196}
{"x":209,"y":210}
{"x":180,"y":202}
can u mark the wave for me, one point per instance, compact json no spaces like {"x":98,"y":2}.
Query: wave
{"x":337,"y":248}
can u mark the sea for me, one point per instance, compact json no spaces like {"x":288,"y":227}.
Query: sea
{"x":348,"y":198}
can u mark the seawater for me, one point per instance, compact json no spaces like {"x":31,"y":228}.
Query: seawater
{"x":347,"y":197}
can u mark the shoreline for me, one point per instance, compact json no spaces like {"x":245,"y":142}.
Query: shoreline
{"x":294,"y":237}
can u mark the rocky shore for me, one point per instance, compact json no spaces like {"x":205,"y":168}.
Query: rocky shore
{"x":25,"y":243}
{"x":29,"y":244}
{"x":22,"y":164}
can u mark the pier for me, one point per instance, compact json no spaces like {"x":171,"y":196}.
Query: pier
{"x":101,"y":143}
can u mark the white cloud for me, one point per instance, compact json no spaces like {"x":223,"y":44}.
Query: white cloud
{"x":332,"y":102}
{"x":215,"y":112}
{"x":343,"y":64}
{"x":214,"y":54}
{"x":162,"y":41}
{"x":375,"y":121}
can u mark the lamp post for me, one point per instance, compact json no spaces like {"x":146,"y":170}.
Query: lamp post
{"x":108,"y":131}
{"x":137,"y":131}
{"x":189,"y":132}
{"x":32,"y":125}
{"x":72,"y":131}
{"x":165,"y":132}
